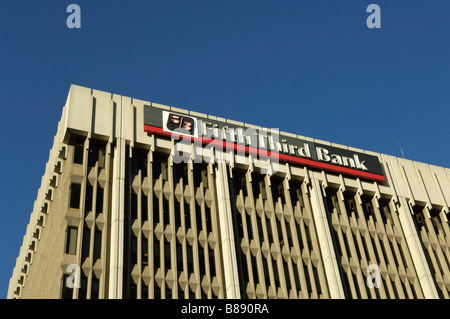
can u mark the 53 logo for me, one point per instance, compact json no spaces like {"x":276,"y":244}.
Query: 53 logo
{"x":181,"y":124}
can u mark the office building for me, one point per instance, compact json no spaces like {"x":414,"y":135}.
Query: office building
{"x":142,"y":200}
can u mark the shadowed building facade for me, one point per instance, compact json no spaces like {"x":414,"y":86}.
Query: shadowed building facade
{"x":141,"y":200}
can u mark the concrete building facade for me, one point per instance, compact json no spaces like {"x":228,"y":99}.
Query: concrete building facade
{"x":142,"y":200}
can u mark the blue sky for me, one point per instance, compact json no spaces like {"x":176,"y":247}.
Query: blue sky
{"x":307,"y":67}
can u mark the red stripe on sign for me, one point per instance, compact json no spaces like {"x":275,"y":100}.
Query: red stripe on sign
{"x":263,"y":153}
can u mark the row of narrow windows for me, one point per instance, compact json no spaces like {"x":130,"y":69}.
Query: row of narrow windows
{"x":156,"y":209}
{"x":143,"y":206}
{"x":94,"y":292}
{"x":75,"y":197}
{"x":438,"y":260}
{"x":248,"y":263}
{"x":163,"y":258}
{"x":93,"y":236}
{"x":344,"y":240}
{"x":180,"y":214}
{"x":93,"y":197}
{"x":96,"y":153}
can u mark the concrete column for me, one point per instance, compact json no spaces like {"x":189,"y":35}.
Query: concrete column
{"x":325,"y":242}
{"x":117,"y":221}
{"x":417,"y":253}
{"x":227,"y":235}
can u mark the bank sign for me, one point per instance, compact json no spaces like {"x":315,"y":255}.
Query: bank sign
{"x":262,"y":143}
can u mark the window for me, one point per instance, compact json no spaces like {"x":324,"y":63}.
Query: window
{"x":244,"y":268}
{"x":96,"y":154}
{"x":95,"y":288}
{"x":97,"y":244}
{"x":78,"y":152}
{"x":355,"y":283}
{"x":180,"y":172}
{"x":166,"y":214}
{"x":180,"y":292}
{"x":212,"y":264}
{"x":144,"y":291}
{"x":157,"y":292}
{"x":187,"y":218}
{"x":275,"y":273}
{"x":385,"y":212}
{"x":82,"y":291}
{"x":288,"y":233}
{"x":86,"y":241}
{"x":88,"y":201}
{"x":75,"y":191}
{"x":299,"y":236}
{"x":144,"y":251}
{"x":286,"y":275}
{"x":367,"y":208}
{"x":279,"y":231}
{"x":198,"y":216}
{"x":156,"y":254}
{"x":101,"y":157}
{"x":177,"y":213}
{"x":240,"y":226}
{"x":134,"y":204}
{"x":144,"y":205}
{"x":307,"y":278}
{"x":350,"y":204}
{"x":168,"y":291}
{"x":296,"y":194}
{"x":269,"y":230}
{"x":332,"y":203}
{"x":256,"y":187}
{"x":249,"y":226}
{"x":156,"y":166}
{"x":239,"y":184}
{"x":160,"y":168}
{"x":277,"y":191}
{"x":436,"y":220}
{"x":266,"y":272}
{"x":155,"y":210}
{"x":419,"y":218}
{"x":133,"y":291}
{"x":139,"y":163}
{"x":167,"y":255}
{"x":375,"y":249}
{"x":200,"y":176}
{"x":197,"y":175}
{"x":133,"y":250}
{"x":260,"y":229}
{"x":164,"y":170}
{"x":355,"y":241}
{"x":316,"y":279}
{"x":296,"y":277}
{"x":99,"y":204}
{"x":254,"y":270}
{"x":208,"y":218}
{"x":190,"y":258}
{"x":71,"y":243}
{"x":201,"y":261}
{"x":179,"y":249}
{"x":66,"y":291}
{"x":205,"y":177}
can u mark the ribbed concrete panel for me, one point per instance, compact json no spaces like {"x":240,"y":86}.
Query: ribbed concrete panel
{"x":102,"y":112}
{"x":442,"y":177}
{"x":138,"y":114}
{"x":79,"y":107}
{"x":412,"y":180}
{"x":428,"y":184}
